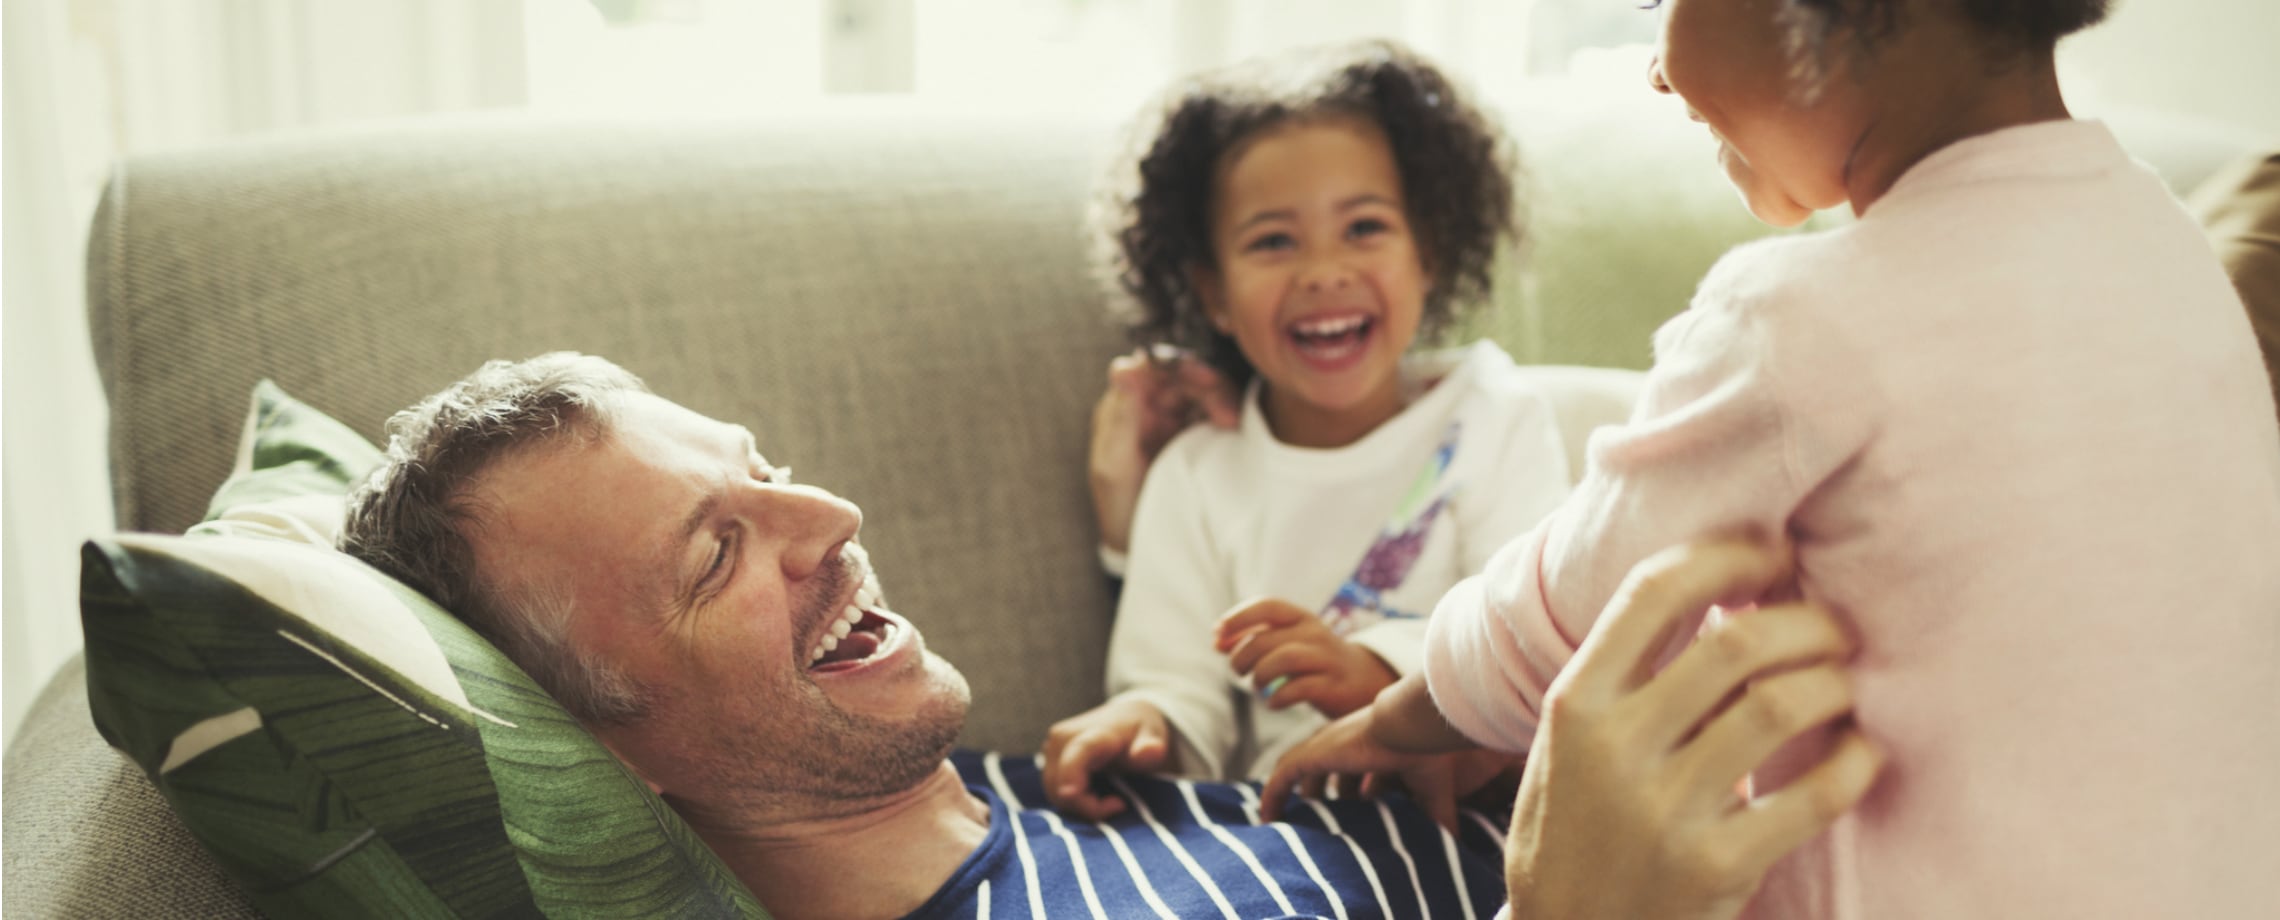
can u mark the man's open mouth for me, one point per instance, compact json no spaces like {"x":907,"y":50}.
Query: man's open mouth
{"x":857,"y":634}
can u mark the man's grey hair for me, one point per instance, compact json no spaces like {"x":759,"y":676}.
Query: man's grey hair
{"x":412,"y":517}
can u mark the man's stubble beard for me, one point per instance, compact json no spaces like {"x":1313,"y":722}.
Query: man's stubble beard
{"x":823,"y":753}
{"x":820,"y":752}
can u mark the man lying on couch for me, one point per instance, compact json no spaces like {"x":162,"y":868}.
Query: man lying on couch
{"x":719,"y":629}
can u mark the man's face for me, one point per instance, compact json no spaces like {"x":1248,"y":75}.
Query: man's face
{"x":693,"y":567}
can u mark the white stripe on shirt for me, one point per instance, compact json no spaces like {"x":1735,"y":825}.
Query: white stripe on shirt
{"x":1393,"y":835}
{"x":1077,"y":863}
{"x":1456,"y":869}
{"x":1020,"y":837}
{"x":1195,"y":806}
{"x":1297,"y":848}
{"x":1132,"y":868}
{"x":1494,"y":833}
{"x":1330,"y":823}
{"x":1178,"y":852}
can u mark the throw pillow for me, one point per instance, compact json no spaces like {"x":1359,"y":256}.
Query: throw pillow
{"x":343,"y":746}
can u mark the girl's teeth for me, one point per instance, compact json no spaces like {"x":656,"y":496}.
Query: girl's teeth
{"x":1331,"y":327}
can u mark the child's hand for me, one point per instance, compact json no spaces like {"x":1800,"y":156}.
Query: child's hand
{"x":1292,"y":657}
{"x":1124,"y":735}
{"x":1148,"y":400}
{"x":1437,"y":783}
{"x":1344,"y":748}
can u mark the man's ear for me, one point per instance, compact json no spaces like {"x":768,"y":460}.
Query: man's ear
{"x":630,"y":766}
{"x":1213,"y":293}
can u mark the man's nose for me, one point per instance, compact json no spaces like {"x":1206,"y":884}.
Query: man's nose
{"x":813,"y":523}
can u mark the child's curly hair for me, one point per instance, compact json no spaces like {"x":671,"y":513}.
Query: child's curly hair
{"x":1456,"y":167}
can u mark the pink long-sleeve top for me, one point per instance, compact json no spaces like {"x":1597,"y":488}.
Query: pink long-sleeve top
{"x":2018,"y":428}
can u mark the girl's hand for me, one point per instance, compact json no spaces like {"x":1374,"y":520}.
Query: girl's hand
{"x":1119,"y":734}
{"x":1348,"y":747}
{"x":1292,"y":657}
{"x":1150,"y":398}
{"x":1351,"y":748}
{"x":1628,"y":806}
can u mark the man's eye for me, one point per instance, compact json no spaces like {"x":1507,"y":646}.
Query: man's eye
{"x":720,"y":555}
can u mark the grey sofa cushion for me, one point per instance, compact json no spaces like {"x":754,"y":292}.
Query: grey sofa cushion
{"x":103,"y":843}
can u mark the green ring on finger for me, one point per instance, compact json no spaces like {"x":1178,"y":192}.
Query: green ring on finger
{"x":1272,"y":686}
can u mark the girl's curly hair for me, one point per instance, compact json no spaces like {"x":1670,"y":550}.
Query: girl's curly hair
{"x":1154,"y":216}
{"x":2012,"y":26}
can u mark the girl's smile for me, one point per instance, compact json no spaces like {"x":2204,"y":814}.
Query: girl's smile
{"x":1317,"y":276}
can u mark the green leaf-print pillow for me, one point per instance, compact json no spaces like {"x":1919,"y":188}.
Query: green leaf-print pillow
{"x":343,"y":746}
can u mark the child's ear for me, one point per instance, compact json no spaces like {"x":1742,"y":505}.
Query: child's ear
{"x":1213,"y":294}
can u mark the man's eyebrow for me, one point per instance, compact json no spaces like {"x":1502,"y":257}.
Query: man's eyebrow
{"x":677,"y":590}
{"x":697,"y":517}
{"x":710,"y":505}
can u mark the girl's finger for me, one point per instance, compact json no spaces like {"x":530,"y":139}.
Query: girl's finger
{"x":1292,"y":660}
{"x":1259,"y":613}
{"x":1728,"y":655}
{"x":1253,"y":651}
{"x":1287,"y":691}
{"x":1274,"y":794}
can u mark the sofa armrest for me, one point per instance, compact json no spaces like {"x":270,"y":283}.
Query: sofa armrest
{"x":88,"y":835}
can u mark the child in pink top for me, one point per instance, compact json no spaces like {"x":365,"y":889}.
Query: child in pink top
{"x":2015,"y":425}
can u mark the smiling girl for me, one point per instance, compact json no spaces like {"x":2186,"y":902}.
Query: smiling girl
{"x":1300,"y":223}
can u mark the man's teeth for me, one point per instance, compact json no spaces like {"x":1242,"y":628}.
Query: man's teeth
{"x":848,"y":617}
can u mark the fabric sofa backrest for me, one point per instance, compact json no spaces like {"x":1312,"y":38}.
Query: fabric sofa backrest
{"x":899,"y":308}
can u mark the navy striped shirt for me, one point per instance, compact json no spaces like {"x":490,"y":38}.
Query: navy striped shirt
{"x":1197,"y":850}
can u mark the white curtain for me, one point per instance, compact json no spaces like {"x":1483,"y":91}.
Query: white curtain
{"x":1128,"y":50}
{"x":87,"y":81}
{"x":1096,"y":57}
